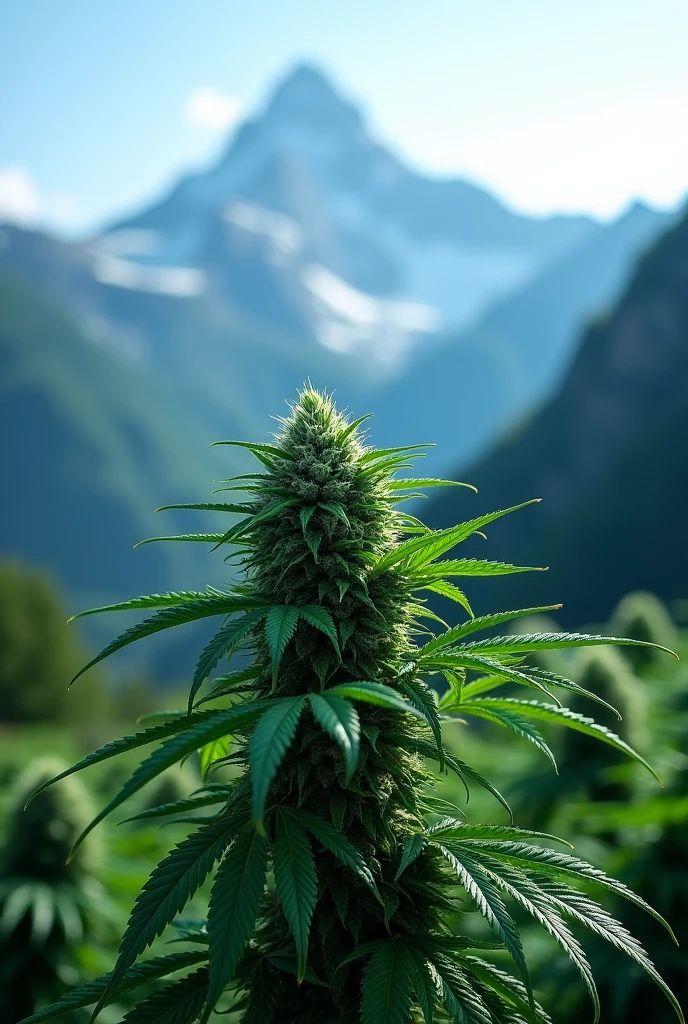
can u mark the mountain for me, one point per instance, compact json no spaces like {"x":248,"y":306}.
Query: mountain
{"x":310,"y":251}
{"x":467,"y":391}
{"x":607,"y":455}
{"x":89,"y":450}
{"x":306,"y":227}
{"x":310,"y":225}
{"x":307,"y":251}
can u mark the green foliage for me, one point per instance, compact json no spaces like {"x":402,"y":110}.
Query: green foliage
{"x":38,"y":656}
{"x":46,"y":904}
{"x":641,"y":834}
{"x":100,"y":437}
{"x":330,"y":732}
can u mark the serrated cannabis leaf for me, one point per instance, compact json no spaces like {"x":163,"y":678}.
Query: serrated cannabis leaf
{"x":333,"y":840}
{"x":296,"y":882}
{"x":280,"y":624}
{"x":322,"y":620}
{"x":190,"y":611}
{"x":569,"y":719}
{"x":174,"y":750}
{"x":142,"y":974}
{"x":269,"y":743}
{"x":169,"y":888}
{"x":233,"y":908}
{"x":387,"y":984}
{"x":340,"y":720}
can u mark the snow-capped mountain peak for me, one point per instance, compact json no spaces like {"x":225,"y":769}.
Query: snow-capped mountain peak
{"x":304,"y":185}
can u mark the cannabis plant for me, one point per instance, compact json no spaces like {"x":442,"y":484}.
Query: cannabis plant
{"x":337,"y":868}
{"x":45,"y":904}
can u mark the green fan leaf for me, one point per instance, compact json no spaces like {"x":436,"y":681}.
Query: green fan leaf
{"x":423,"y":700}
{"x":484,"y":622}
{"x":240,"y":530}
{"x":382,"y":453}
{"x":569,"y":719}
{"x":465,"y":771}
{"x":305,"y":516}
{"x":509,"y":720}
{"x":424,"y":985}
{"x":141,"y":974}
{"x":170,"y":887}
{"x":556,"y":863}
{"x":180,"y":1002}
{"x":448,"y":590}
{"x":459,"y":995}
{"x":387,"y":984}
{"x":486,"y":897}
{"x":472,"y":567}
{"x":269,"y":743}
{"x":225,"y":641}
{"x":464,"y":832}
{"x":210,"y":506}
{"x":175,"y":749}
{"x":582,"y":910}
{"x":527,"y":895}
{"x":190,"y":611}
{"x":554,"y":679}
{"x":262,"y":451}
{"x":337,"y":843}
{"x":353,"y":427}
{"x":335,"y":509}
{"x":375,"y":693}
{"x":423,"y":482}
{"x":340,"y":720}
{"x":321,"y":619}
{"x":192,"y":803}
{"x":523,"y":643}
{"x":234,"y":901}
{"x":411,"y":850}
{"x":194,"y":538}
{"x":457,"y":659}
{"x":536,"y":678}
{"x":126,"y":743}
{"x":242,"y":681}
{"x":147,"y":601}
{"x":505,"y":985}
{"x":422,"y":550}
{"x":280,"y":624}
{"x":211,"y":752}
{"x":296,"y":882}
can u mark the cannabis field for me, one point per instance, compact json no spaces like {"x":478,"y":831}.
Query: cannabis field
{"x":371,"y":814}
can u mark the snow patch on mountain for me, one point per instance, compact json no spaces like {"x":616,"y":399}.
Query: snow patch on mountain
{"x":353,"y":322}
{"x":284,"y":237}
{"x":121,"y":259}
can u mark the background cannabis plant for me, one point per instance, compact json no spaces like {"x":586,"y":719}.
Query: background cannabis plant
{"x":336,"y":866}
{"x":46,"y":905}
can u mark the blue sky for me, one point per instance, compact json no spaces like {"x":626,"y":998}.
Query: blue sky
{"x":553,"y":105}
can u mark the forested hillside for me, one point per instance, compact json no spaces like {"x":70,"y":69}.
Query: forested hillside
{"x":89,"y":449}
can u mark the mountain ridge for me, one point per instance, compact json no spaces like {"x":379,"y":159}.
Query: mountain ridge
{"x":485,"y":379}
{"x":605,"y":454}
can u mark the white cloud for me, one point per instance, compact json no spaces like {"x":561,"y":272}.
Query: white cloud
{"x":19,"y":198}
{"x":596,"y":159}
{"x":212,"y":109}
{"x":22,"y":201}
